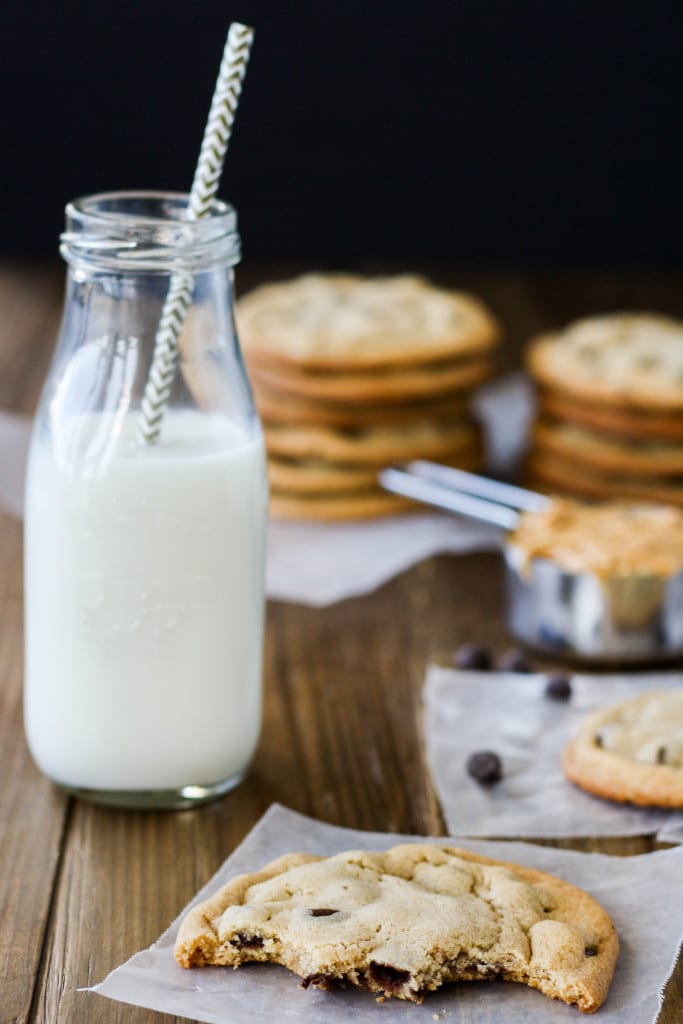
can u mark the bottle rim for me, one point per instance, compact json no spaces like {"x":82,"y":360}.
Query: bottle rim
{"x":147,"y":230}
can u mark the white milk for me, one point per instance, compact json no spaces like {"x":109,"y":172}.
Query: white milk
{"x":144,"y":604}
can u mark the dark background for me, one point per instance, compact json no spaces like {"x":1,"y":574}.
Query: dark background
{"x":475,"y":134}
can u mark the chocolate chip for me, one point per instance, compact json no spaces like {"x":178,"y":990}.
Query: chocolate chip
{"x":661,"y":755}
{"x":558,"y":688}
{"x":472,"y":656}
{"x":391,"y":979}
{"x":485,"y":767}
{"x":322,"y":980}
{"x":515,"y":660}
{"x":322,"y":912}
{"x":590,"y":951}
{"x":243,"y":941}
{"x":597,"y":739}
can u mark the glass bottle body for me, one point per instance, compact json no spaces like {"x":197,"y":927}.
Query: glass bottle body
{"x":144,"y":563}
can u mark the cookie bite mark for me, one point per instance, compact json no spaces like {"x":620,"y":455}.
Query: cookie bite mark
{"x":390,"y":981}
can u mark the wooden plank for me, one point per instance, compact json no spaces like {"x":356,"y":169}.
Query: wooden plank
{"x":30,"y":301}
{"x":32,"y":813}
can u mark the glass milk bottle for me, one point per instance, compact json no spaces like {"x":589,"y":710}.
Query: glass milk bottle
{"x":144,"y":562}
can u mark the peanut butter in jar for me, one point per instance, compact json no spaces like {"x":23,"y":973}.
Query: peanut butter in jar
{"x":610,"y":539}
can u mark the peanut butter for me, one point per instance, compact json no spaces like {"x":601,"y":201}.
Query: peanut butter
{"x":613,"y":539}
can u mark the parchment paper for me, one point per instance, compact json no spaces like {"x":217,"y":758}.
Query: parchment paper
{"x":642,"y":895}
{"x":509,"y":714}
{"x":318,"y":564}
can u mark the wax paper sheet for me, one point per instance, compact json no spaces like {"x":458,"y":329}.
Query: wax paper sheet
{"x":510,"y":714}
{"x":639,"y":893}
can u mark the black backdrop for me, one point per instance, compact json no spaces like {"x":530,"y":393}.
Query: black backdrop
{"x":469,"y":132}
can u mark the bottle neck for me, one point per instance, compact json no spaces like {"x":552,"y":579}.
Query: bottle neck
{"x":128,"y":233}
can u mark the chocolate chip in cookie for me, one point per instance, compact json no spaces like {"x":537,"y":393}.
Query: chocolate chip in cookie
{"x":243,"y":941}
{"x":390,"y":979}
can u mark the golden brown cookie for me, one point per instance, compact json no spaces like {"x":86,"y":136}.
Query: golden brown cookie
{"x":315,"y":476}
{"x":347,"y":322}
{"x":404,"y":922}
{"x":632,"y":752}
{"x":427,"y":380}
{"x":623,"y":360}
{"x":374,"y":446}
{"x":563,"y":476}
{"x":284,"y":408}
{"x":646,"y":458}
{"x":637,"y":424}
{"x":368,"y":503}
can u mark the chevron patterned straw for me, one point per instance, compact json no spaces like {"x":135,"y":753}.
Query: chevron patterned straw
{"x":204,"y":187}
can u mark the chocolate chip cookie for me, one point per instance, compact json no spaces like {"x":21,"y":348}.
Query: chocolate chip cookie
{"x":404,"y":922}
{"x":632,"y":752}
{"x":349,"y":322}
{"x":621,"y":360}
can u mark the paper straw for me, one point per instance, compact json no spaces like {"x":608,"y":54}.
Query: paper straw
{"x":204,"y":187}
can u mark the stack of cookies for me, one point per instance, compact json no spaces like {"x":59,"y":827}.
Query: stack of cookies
{"x":351,"y":374}
{"x":610,"y":415}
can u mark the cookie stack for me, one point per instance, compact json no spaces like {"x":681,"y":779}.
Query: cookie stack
{"x":610,"y":414}
{"x":351,"y":374}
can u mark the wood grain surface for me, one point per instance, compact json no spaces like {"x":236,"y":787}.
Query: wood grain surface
{"x":83,"y":887}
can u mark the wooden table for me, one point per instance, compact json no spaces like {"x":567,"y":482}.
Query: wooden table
{"x":83,"y":887}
